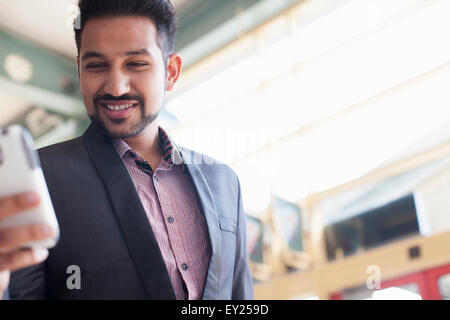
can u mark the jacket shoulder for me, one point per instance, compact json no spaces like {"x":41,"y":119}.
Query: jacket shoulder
{"x":222,"y":180}
{"x":70,"y":146}
{"x":63,"y":155}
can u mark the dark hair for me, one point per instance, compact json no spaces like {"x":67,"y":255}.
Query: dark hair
{"x":160,"y":12}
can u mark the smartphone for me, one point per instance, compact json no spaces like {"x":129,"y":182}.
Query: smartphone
{"x":20,"y":171}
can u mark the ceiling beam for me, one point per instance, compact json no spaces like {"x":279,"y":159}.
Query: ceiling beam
{"x":205,"y":26}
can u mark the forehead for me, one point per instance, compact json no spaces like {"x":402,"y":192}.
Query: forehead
{"x":114,"y":35}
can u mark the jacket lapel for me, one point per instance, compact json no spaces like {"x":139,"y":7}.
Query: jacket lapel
{"x":188,"y":158}
{"x":130,"y":214}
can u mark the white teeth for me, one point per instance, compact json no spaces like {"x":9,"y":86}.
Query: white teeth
{"x":117,"y":108}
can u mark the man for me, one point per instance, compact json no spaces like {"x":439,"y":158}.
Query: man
{"x":140,"y":217}
{"x":12,"y":257}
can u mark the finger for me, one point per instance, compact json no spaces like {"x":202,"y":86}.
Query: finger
{"x":11,"y":205}
{"x":12,"y":238}
{"x":22,"y":258}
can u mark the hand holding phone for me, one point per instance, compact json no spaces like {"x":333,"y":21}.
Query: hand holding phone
{"x":20,"y":172}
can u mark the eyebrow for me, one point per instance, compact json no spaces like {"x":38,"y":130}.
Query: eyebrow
{"x":140,"y":51}
{"x":93,"y":54}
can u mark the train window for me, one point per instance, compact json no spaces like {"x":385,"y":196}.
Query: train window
{"x":356,"y":293}
{"x":444,"y":286}
{"x":288,"y":217}
{"x":373,"y":228}
{"x":255,"y":239}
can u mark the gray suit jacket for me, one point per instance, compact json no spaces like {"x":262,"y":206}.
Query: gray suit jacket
{"x":105,"y":232}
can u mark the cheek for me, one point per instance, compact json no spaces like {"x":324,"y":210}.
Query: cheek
{"x":151,"y":87}
{"x":87,"y":101}
{"x":88,"y":88}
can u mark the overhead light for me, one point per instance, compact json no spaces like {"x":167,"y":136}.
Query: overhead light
{"x":18,"y":68}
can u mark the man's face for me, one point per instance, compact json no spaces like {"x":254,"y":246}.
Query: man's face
{"x":122,"y":74}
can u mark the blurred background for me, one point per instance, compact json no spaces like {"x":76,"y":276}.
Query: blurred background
{"x":334,"y":113}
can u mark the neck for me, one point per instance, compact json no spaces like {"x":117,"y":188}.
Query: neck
{"x":147,"y":143}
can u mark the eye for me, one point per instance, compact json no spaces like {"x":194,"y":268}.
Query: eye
{"x":94,"y":66}
{"x":137,"y":64}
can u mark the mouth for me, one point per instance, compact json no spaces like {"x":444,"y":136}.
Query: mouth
{"x":117,"y":109}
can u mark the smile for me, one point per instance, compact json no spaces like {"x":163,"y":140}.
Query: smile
{"x":121,"y":107}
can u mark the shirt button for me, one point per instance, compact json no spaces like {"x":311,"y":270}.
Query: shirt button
{"x":170,"y":219}
{"x":184,"y":266}
{"x":155,"y":178}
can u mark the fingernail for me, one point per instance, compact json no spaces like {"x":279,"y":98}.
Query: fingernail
{"x":40,"y":254}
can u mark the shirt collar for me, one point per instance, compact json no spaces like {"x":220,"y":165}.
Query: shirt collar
{"x":165,"y":144}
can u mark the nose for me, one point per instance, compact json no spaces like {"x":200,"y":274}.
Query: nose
{"x":117,"y":83}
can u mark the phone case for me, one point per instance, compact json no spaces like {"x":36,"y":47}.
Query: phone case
{"x":20,"y":171}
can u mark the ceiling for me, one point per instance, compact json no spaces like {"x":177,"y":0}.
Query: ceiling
{"x":42,"y":31}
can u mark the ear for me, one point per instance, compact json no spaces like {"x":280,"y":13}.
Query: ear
{"x":77,"y":59}
{"x":173,"y":70}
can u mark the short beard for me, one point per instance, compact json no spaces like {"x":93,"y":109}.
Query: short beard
{"x":135,"y":130}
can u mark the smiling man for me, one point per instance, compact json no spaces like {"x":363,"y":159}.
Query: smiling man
{"x":139,"y":219}
{"x":125,"y":70}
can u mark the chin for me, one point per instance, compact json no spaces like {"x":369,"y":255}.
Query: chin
{"x":124,"y":132}
{"x":120,"y":129}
